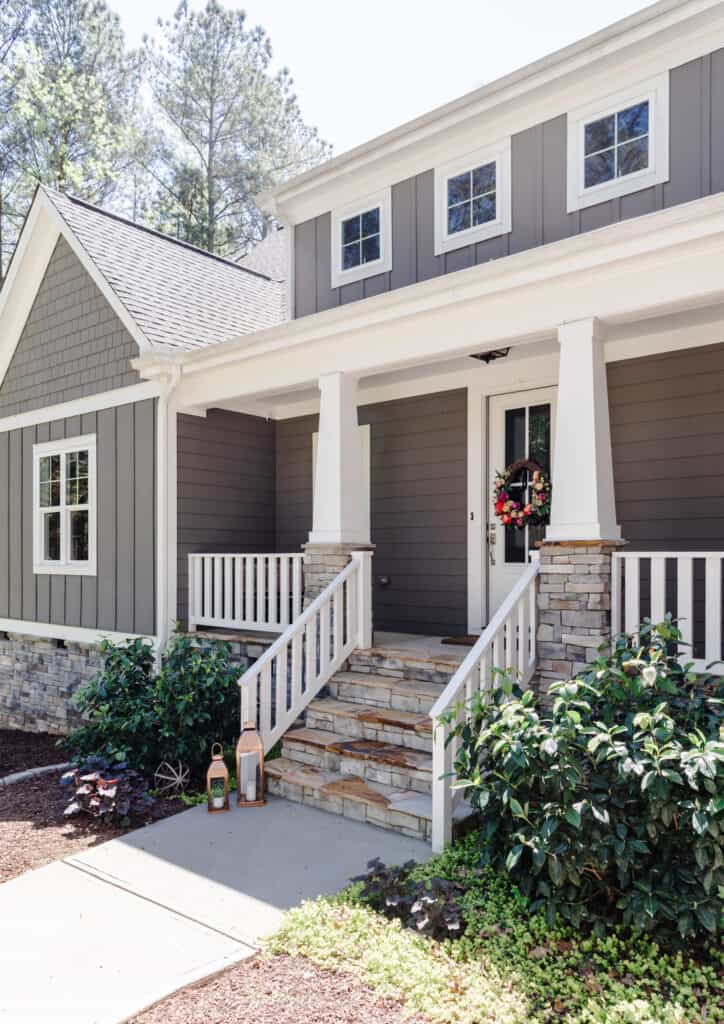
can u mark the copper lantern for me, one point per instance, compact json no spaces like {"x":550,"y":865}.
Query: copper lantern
{"x":250,"y":767}
{"x":217,"y":781}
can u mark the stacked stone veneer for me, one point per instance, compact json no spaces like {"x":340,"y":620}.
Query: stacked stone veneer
{"x":574,"y":607}
{"x":38,"y":679}
{"x":322,"y":562}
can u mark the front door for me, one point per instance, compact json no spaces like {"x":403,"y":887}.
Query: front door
{"x":520,"y":426}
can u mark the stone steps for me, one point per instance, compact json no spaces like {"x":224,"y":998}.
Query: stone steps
{"x":403,"y":665}
{"x":386,"y":763}
{"x":364,"y":722}
{"x":384,"y":691}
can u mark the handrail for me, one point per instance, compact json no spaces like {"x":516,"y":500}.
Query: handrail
{"x":509,"y":643}
{"x":277,"y":688}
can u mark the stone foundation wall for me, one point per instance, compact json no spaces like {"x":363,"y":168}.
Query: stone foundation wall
{"x":322,"y":562}
{"x":574,"y":607}
{"x":38,"y":678}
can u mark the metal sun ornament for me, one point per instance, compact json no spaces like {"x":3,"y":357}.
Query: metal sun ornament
{"x":171,"y":780}
{"x":217,"y":781}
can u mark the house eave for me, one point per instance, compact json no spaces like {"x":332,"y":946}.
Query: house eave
{"x":664,"y":34}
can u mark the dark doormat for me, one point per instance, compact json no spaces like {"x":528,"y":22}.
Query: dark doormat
{"x":460,"y":641}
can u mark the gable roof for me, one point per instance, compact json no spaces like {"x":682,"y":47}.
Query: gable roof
{"x":179,"y":297}
{"x":270,"y":256}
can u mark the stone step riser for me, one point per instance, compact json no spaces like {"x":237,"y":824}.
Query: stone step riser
{"x":398,"y":776}
{"x":399,"y":668}
{"x":404,"y":824}
{"x":374,"y":696}
{"x":358,"y":730}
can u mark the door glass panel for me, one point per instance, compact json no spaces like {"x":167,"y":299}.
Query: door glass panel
{"x":539,"y":436}
{"x":527,"y":436}
{"x":515,"y":448}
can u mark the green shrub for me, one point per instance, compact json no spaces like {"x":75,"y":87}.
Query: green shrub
{"x":140,"y":718}
{"x":609,"y":808}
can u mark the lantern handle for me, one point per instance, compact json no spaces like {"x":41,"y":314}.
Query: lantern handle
{"x":215,"y":756}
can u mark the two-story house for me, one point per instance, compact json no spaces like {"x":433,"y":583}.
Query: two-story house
{"x":530,"y":274}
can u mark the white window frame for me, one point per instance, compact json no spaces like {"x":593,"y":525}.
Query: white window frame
{"x":65,"y":566}
{"x":383,"y":200}
{"x":499,"y":154}
{"x":656,"y":91}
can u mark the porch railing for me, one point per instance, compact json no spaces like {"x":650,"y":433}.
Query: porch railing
{"x":648,"y":584}
{"x":255,"y":592}
{"x":509,"y":642}
{"x":281,"y":683}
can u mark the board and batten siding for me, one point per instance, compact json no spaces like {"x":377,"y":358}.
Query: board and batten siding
{"x":72,"y":345}
{"x":225,"y":488}
{"x":419,"y":507}
{"x":539,"y":158}
{"x":122,"y":596}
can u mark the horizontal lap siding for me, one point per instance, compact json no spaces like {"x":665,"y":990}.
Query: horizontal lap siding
{"x":72,"y":345}
{"x":121,"y":597}
{"x":539,"y":170}
{"x":225,"y":488}
{"x":419,"y":501}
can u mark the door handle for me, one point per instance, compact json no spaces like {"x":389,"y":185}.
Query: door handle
{"x":491,"y":543}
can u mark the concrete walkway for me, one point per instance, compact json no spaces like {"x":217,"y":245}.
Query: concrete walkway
{"x":100,"y":936}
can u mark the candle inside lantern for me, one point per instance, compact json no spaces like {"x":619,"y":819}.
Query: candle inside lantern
{"x":251,"y":791}
{"x":248,"y":763}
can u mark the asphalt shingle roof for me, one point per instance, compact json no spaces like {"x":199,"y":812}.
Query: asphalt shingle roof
{"x":180,"y":297}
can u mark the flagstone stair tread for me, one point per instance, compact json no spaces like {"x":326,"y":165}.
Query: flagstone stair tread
{"x":372,"y":715}
{"x":374,"y":750}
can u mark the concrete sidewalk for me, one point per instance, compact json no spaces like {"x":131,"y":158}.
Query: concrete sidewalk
{"x":98,"y":937}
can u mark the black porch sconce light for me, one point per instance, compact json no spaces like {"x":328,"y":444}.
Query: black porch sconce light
{"x":489,"y":357}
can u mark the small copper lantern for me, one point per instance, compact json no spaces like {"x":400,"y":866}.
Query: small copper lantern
{"x":250,"y":767}
{"x":217,"y":781}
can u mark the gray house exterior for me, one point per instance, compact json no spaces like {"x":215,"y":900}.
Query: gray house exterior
{"x":230,"y":410}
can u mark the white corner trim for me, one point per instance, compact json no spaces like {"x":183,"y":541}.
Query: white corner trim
{"x":656,"y":92}
{"x":381,"y":199}
{"x":65,"y":567}
{"x":499,"y":154}
{"x":73,"y":634}
{"x":81,"y":406}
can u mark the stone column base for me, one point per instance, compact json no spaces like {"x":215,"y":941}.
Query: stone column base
{"x":322,"y":562}
{"x":574,"y":606}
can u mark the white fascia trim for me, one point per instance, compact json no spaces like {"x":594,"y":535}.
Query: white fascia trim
{"x":668,"y":33}
{"x":381,"y":199}
{"x":656,"y":92}
{"x":73,"y":634}
{"x":80,"y":406}
{"x":684,"y":223}
{"x":499,"y":154}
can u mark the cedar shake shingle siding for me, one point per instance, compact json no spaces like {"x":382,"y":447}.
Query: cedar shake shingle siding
{"x":73,"y":344}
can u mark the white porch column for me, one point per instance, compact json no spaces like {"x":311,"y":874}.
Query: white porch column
{"x":583,"y":507}
{"x":339,"y":494}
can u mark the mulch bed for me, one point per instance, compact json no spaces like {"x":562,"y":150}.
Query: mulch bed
{"x":34,"y":832}
{"x":277,"y":990}
{"x":21,"y":750}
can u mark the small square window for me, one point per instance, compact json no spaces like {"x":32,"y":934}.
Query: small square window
{"x":472,"y":198}
{"x":361,"y":240}
{"x":64,"y":532}
{"x":622,"y":149}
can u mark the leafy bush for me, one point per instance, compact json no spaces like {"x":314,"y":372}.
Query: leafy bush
{"x":139,"y":718}
{"x":113,"y":795}
{"x":429,"y":906}
{"x":610,"y":807}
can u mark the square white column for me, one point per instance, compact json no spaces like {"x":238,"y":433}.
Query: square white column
{"x":339,"y":494}
{"x":583,"y":506}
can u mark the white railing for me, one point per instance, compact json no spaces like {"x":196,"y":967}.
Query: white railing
{"x":688,"y":584}
{"x":256,"y":592}
{"x":508,"y":643}
{"x":279,"y":686}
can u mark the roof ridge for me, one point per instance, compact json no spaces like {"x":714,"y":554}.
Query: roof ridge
{"x":158,"y":234}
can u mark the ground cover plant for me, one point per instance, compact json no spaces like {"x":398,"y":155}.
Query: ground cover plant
{"x":508,"y":966}
{"x":110,"y":794}
{"x":608,"y":807}
{"x":141,"y":718}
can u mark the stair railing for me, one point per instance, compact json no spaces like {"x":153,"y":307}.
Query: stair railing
{"x":508,"y":642}
{"x":277,"y":688}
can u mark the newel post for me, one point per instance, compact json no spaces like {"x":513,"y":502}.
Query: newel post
{"x":364,"y":597}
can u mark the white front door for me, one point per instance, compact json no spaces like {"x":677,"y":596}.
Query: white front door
{"x":520,"y":426}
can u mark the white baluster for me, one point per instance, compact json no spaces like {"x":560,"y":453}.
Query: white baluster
{"x":284,"y":604}
{"x":273,"y":618}
{"x":632,"y":598}
{"x":261,"y":617}
{"x":712,"y":642}
{"x":228,"y":591}
{"x":685,"y":604}
{"x":208,"y":580}
{"x":658,"y":589}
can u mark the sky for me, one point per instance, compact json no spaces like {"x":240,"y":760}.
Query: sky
{"x":362,"y":67}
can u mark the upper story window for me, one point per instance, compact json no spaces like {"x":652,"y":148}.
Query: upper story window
{"x":472,"y":198}
{"x":619,"y":145}
{"x":64,"y":501}
{"x":362,"y":239}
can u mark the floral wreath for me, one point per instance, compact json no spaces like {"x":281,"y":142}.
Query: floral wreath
{"x":514,"y":513}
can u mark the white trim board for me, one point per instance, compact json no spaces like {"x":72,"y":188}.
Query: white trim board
{"x":80,"y":406}
{"x":74,"y":634}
